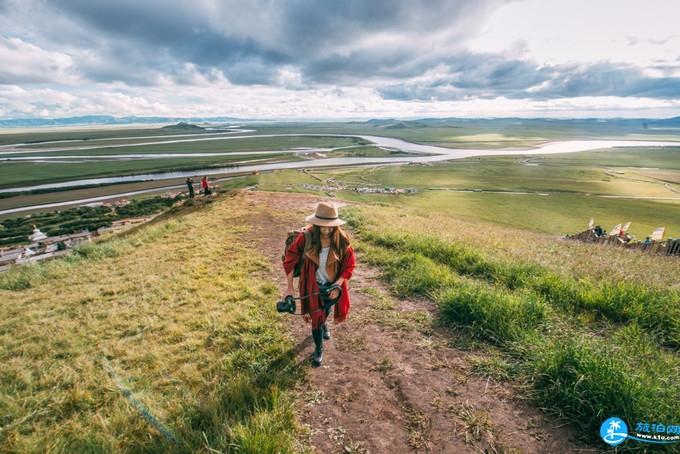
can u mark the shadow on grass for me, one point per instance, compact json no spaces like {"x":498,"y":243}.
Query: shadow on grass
{"x":248,"y":412}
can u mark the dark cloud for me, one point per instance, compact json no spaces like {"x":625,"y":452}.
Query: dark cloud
{"x":411,"y":49}
{"x":491,"y":76}
{"x":250,"y":41}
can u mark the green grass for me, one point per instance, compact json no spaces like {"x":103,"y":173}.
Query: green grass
{"x":37,"y":135}
{"x":558,"y":196}
{"x":197,"y":342}
{"x":225,"y":145}
{"x":492,"y":314}
{"x":367,"y":151}
{"x":573,"y":181}
{"x":464,"y":133}
{"x":584,"y":371}
{"x":19,"y":173}
{"x":665,"y":158}
{"x":156,"y":136}
{"x":656,"y":309}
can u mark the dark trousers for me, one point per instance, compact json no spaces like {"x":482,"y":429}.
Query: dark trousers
{"x":317,"y":334}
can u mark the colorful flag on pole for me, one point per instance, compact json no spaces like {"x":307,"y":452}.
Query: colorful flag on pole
{"x":615,"y":230}
{"x":625,"y":227}
{"x":591,"y":223}
{"x":657,"y":235}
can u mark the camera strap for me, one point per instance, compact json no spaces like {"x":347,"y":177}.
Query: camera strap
{"x":326,"y":306}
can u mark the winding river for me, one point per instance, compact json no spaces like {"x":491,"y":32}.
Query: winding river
{"x":430,"y":154}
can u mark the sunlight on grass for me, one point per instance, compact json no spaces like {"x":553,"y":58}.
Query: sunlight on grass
{"x":179,"y":312}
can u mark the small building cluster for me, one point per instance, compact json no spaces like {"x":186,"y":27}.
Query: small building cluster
{"x":115,"y":204}
{"x":323,"y":188}
{"x":43,"y":247}
{"x":385,"y":190}
{"x":336,"y":186}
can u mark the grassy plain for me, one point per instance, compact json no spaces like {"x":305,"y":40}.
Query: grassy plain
{"x":215,"y":146}
{"x":577,"y":184}
{"x":19,"y":173}
{"x":498,"y":133}
{"x":554,"y":194}
{"x":37,"y":135}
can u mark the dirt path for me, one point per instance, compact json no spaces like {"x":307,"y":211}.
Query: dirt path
{"x":391,"y":382}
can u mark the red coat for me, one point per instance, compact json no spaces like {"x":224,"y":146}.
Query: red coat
{"x":336,"y":267}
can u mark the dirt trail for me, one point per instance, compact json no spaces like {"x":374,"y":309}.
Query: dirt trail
{"x":391,"y":382}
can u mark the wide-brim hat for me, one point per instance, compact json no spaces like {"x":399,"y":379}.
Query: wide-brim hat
{"x":326,"y":215}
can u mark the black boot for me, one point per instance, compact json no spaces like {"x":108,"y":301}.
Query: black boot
{"x":326,"y":331}
{"x":318,"y":351}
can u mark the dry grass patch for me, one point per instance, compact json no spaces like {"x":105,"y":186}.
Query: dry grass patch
{"x":176,"y":311}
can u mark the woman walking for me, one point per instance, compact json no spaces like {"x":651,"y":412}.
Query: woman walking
{"x":327,"y":263}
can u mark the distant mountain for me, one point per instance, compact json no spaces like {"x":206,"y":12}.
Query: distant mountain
{"x":105,"y":120}
{"x":405,"y":125}
{"x":583,"y":124}
{"x":383,"y":123}
{"x":391,"y":123}
{"x":666,"y":123}
{"x":182,"y":126}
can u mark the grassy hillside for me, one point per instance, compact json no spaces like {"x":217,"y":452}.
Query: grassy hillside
{"x":585,"y":332}
{"x":178,"y":314}
{"x":179,"y":317}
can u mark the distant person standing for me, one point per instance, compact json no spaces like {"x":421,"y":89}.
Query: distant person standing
{"x":204,"y":186}
{"x":190,"y":185}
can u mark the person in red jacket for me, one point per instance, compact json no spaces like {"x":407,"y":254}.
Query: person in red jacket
{"x":204,"y":186}
{"x":328,"y":259}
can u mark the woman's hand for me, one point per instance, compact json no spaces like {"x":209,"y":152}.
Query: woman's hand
{"x":289,"y":291}
{"x":335,"y":293}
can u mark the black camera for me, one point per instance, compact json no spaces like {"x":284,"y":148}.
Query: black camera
{"x":287,"y":305}
{"x":325,"y":291}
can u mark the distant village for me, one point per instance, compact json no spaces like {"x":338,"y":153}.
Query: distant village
{"x":372,"y":190}
{"x":41,"y":247}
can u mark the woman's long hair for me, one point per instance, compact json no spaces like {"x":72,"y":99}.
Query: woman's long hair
{"x":339,"y":240}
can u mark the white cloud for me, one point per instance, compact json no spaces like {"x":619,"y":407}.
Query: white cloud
{"x":24,"y":62}
{"x":558,"y":32}
{"x":324,"y":103}
{"x":262,"y":59}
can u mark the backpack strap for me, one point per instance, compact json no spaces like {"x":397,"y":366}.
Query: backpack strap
{"x":308,"y":241}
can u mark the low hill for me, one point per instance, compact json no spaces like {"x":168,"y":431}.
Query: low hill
{"x":406,"y":125}
{"x":182,"y":126}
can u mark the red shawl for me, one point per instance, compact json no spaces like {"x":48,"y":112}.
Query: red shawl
{"x":308,"y":285}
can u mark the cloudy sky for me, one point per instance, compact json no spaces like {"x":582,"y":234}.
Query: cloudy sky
{"x":340,"y":58}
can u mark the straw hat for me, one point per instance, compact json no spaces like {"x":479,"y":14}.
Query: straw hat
{"x":326,"y":216}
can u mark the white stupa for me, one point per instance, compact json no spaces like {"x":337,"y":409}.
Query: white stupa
{"x":37,"y":235}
